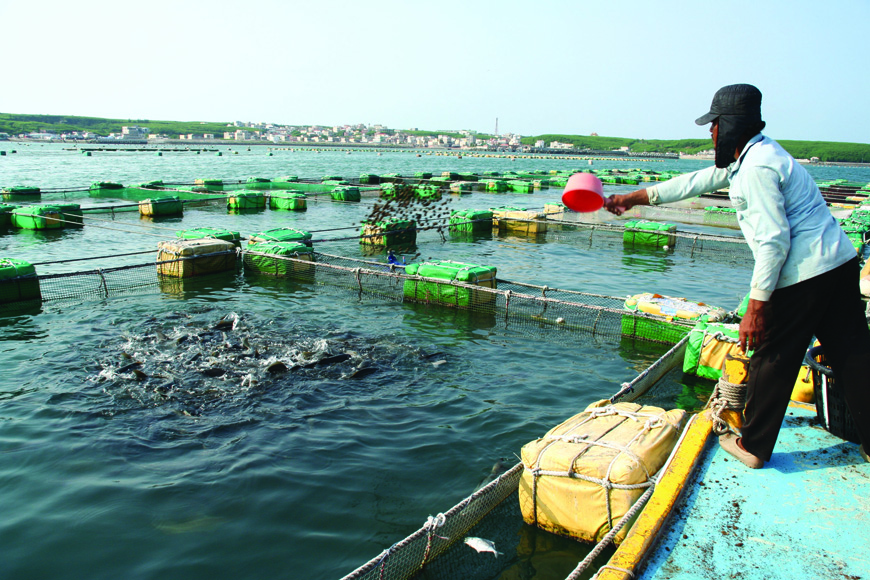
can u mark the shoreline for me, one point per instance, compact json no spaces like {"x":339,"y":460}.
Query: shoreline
{"x":597,"y":155}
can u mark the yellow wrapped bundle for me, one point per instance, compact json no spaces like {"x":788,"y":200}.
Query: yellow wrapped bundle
{"x":513,"y":219}
{"x":585,"y":474}
{"x":204,"y":256}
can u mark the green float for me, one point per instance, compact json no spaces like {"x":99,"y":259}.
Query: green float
{"x":281,"y":235}
{"x":246,"y":201}
{"x":102,"y":185}
{"x":648,"y":233}
{"x":471,"y":220}
{"x":298,"y":266}
{"x":37,"y":217}
{"x":18,"y":281}
{"x":6,"y":214}
{"x":389,"y":233}
{"x":446,"y":293}
{"x":161,"y":206}
{"x":213,"y":233}
{"x":71,"y":214}
{"x":345,"y":193}
{"x":288,"y":200}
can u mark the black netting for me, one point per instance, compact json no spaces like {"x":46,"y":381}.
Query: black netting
{"x":524,"y":308}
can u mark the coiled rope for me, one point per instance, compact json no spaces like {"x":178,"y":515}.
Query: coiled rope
{"x":726,"y":395}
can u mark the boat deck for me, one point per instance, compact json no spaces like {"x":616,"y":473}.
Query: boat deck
{"x":806,"y":514}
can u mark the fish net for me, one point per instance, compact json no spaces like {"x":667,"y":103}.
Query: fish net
{"x":694,"y":245}
{"x":520,"y":307}
{"x":437,"y":549}
{"x":479,"y":515}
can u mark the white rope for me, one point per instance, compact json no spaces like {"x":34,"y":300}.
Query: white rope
{"x":651,"y":421}
{"x":726,"y":395}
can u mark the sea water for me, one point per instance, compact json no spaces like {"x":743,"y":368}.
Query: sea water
{"x":173,"y":473}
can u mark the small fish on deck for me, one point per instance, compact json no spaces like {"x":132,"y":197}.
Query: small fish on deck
{"x":482,"y":545}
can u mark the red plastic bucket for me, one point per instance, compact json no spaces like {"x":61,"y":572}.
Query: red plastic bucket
{"x":583,"y":193}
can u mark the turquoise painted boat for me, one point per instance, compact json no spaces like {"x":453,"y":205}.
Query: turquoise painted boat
{"x":805,"y":514}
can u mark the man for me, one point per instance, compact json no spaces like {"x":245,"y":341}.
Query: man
{"x":805,"y":278}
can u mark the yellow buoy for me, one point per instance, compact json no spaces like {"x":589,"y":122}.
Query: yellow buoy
{"x":803,"y":386}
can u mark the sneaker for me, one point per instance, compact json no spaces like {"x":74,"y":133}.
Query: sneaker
{"x":729,"y":442}
{"x":863,"y":454}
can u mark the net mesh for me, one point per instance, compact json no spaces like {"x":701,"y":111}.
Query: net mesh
{"x":407,"y":558}
{"x":524,"y":308}
{"x":493,"y":512}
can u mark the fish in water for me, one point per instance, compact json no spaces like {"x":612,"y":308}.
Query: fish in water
{"x":329,"y":360}
{"x":129,"y":367}
{"x":481,"y":545}
{"x":140,"y":376}
{"x":223,"y":325}
{"x":363,"y":372}
{"x":276,"y":367}
{"x":214,"y":372}
{"x":497,"y":470}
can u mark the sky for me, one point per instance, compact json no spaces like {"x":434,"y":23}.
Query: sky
{"x":639,"y":69}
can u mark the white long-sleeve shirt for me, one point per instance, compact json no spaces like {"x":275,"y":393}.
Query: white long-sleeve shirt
{"x":781,"y":212}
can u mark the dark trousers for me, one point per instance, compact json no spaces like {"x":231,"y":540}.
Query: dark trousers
{"x":830,"y":308}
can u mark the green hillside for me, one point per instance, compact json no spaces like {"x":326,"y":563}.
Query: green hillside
{"x":824,"y":150}
{"x":17,"y":124}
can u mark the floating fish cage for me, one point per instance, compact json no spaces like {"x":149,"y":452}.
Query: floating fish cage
{"x":345,"y":193}
{"x":6,"y":214}
{"x":369,"y":179}
{"x":258,"y":183}
{"x":665,"y":316}
{"x":463,"y":187}
{"x":168,"y":205}
{"x":427,"y":192}
{"x":22,"y":190}
{"x":389,"y":233}
{"x":649,"y":233}
{"x":18,"y":281}
{"x":246,"y":201}
{"x":37,"y":217}
{"x":497,"y":185}
{"x":281,"y":235}
{"x":197,"y":257}
{"x":281,"y":259}
{"x":518,"y":186}
{"x":71,"y":213}
{"x":211,"y":233}
{"x":555,"y":211}
{"x":519,"y":220}
{"x":288,"y":200}
{"x":471,"y":220}
{"x":105,"y":185}
{"x":210,"y":184}
{"x":463,"y":295}
{"x":154,"y":184}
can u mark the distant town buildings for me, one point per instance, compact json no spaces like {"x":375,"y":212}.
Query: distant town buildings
{"x":134,"y":132}
{"x":338,"y":135}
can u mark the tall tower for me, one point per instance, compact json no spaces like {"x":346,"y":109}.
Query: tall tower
{"x":496,"y":126}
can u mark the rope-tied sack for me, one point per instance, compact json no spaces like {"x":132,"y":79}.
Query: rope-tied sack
{"x":585,"y":474}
